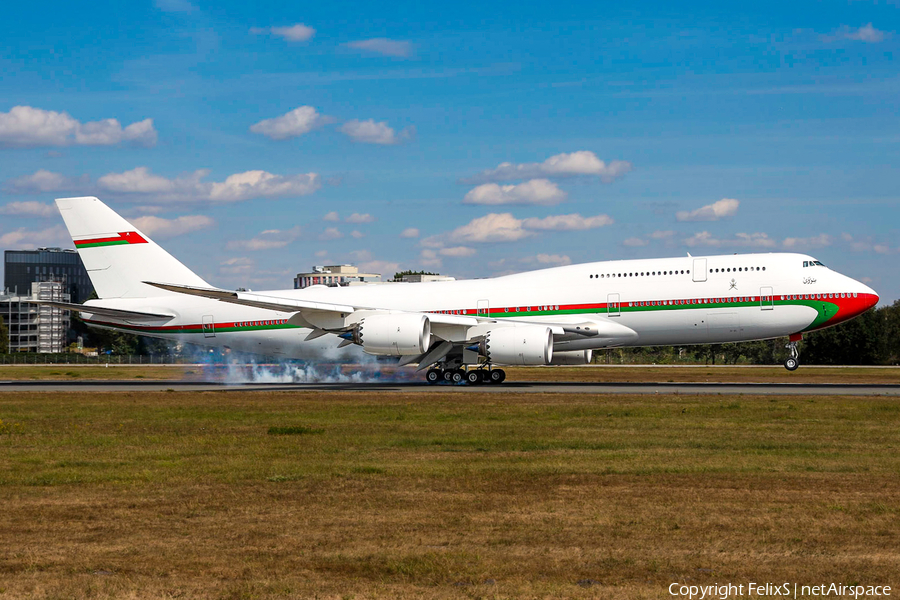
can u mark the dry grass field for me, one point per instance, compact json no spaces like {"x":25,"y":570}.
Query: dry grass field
{"x":593,"y":373}
{"x":435,"y":495}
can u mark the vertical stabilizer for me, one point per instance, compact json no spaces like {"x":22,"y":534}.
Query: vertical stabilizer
{"x":117,"y":256}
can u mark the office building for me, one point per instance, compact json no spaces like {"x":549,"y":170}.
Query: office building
{"x":36,"y":327}
{"x":334,"y":276}
{"x":423,"y":277}
{"x":24,"y":267}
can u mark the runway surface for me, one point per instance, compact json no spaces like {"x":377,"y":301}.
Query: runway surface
{"x":780,"y":389}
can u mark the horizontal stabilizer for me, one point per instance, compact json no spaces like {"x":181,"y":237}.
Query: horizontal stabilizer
{"x":113,"y":313}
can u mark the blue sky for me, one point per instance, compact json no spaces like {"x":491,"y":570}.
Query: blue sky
{"x":254,"y":140}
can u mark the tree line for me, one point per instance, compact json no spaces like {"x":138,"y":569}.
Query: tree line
{"x":872,"y":338}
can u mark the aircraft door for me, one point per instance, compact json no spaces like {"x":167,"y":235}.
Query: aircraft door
{"x":484,"y":308}
{"x":612,"y":305}
{"x":766,"y":298}
{"x":209,"y":326}
{"x":699,"y":272}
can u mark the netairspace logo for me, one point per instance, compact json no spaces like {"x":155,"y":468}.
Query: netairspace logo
{"x":784,"y":590}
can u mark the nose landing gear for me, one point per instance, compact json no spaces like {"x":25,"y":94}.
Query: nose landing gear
{"x":793,"y":361}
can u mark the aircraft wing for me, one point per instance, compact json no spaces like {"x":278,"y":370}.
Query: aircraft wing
{"x":317,"y":315}
{"x":323,"y":317}
{"x":114,"y":313}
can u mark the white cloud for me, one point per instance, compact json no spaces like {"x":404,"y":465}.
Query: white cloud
{"x":583,"y":162}
{"x":370,"y":132}
{"x":548,"y":260}
{"x":662,"y":235}
{"x":430,"y":258}
{"x":191,"y":188}
{"x":294,"y":33}
{"x":167,"y":228}
{"x":141,"y":181}
{"x":237,"y":266}
{"x":384,"y":268}
{"x":26,"y":239}
{"x":331,"y":233}
{"x":504,"y":227}
{"x":635,"y":242}
{"x":30,"y":208}
{"x":726,"y":207}
{"x":819,"y":241}
{"x":573,"y":222}
{"x":534,"y":191}
{"x":457,"y":252}
{"x":359,"y":218}
{"x":109,"y":132}
{"x":357,"y":234}
{"x":752,"y":240}
{"x":250,"y":184}
{"x":867,"y":33}
{"x":292,"y":124}
{"x":493,"y":227}
{"x":385,"y":46}
{"x":409,"y":232}
{"x":25,"y":126}
{"x":332,"y":216}
{"x":267,"y":240}
{"x":865,"y":245}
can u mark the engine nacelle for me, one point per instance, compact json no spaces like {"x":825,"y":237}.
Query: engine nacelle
{"x":394,"y":335}
{"x":572,"y":357}
{"x":529,"y":345}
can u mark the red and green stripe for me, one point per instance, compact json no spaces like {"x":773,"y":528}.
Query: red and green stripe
{"x":831,"y":311}
{"x":120,"y":239}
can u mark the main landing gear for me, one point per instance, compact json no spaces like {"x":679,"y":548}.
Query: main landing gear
{"x":793,"y":361}
{"x":465,"y":376}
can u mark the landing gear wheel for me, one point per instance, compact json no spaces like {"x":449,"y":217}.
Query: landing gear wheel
{"x":791,"y":364}
{"x":457,"y":376}
{"x":496,"y":375}
{"x":448,"y":375}
{"x":434,"y":376}
{"x":473,"y":377}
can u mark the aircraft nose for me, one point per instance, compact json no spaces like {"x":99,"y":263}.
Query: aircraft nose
{"x":871,"y":298}
{"x":867,"y":297}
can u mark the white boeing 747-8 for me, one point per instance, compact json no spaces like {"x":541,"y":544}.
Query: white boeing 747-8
{"x":462,"y":330}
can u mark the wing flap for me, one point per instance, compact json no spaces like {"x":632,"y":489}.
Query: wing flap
{"x":113,"y":313}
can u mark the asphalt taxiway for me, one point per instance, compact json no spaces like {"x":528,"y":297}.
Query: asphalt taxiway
{"x":773,"y":389}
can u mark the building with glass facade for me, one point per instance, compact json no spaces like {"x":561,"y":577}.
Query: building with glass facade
{"x":24,"y":267}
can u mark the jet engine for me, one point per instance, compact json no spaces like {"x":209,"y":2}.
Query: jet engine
{"x":394,"y":335}
{"x":572,"y":357}
{"x":529,"y":345}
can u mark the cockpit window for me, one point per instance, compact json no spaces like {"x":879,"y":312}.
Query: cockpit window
{"x":812,"y":263}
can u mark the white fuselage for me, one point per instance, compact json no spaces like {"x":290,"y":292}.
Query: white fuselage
{"x":669,"y":301}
